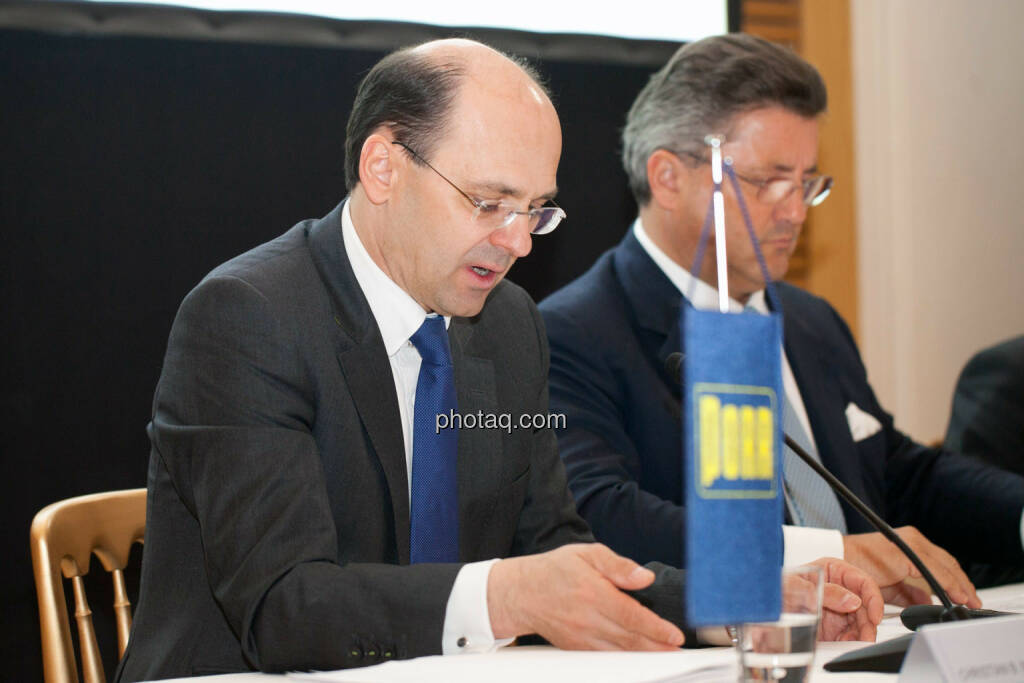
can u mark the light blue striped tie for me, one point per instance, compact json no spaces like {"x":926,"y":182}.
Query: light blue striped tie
{"x":810,"y":500}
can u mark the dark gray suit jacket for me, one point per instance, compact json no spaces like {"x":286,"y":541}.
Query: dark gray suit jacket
{"x":278,"y":514}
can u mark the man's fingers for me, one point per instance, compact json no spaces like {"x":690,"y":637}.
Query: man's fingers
{"x":615,"y":639}
{"x":628,"y":640}
{"x":844,"y":627}
{"x":633,"y":618}
{"x":863,"y":626}
{"x":857,"y":582}
{"x":618,"y":622}
{"x":836,"y":626}
{"x":889,"y":566}
{"x":838,"y":599}
{"x":916,"y":594}
{"x":944,"y":567}
{"x":953,"y":581}
{"x":867,"y":628}
{"x":628,"y":623}
{"x":579,"y":604}
{"x":900,"y":596}
{"x":799,"y":594}
{"x":621,"y":571}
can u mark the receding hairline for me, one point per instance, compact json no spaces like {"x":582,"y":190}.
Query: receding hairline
{"x":471,"y":57}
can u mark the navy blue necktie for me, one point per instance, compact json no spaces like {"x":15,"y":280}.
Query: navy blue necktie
{"x":434,"y":536}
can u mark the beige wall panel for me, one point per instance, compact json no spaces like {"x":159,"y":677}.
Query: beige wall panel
{"x":940,"y":151}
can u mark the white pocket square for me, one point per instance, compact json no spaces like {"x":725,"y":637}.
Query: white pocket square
{"x":862,"y":425}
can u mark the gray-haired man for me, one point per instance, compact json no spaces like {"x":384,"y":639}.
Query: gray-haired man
{"x":613,"y":328}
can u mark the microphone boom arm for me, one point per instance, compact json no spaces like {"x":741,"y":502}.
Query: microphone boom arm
{"x":878,"y":523}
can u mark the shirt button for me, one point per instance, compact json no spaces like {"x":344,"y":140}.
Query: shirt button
{"x":461,"y":642}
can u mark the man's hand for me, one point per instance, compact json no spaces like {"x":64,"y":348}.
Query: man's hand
{"x":888,"y":566}
{"x":572,"y":596}
{"x":852,"y":604}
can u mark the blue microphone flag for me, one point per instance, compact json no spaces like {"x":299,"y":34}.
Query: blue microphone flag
{"x":732,"y":438}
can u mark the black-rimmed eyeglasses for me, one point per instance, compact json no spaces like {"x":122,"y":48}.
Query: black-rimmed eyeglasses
{"x":498,"y":214}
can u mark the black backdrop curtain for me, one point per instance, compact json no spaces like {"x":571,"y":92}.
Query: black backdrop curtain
{"x":141,"y":147}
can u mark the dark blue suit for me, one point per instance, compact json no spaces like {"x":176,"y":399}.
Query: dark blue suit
{"x":611,"y":331}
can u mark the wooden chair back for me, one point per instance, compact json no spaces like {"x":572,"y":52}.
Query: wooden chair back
{"x":64,"y":537}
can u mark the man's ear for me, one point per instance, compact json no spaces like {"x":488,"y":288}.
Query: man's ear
{"x":377,"y":167}
{"x":666,"y":175}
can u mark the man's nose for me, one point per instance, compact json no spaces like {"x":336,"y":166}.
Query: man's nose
{"x":515,"y":238}
{"x":792,"y":208}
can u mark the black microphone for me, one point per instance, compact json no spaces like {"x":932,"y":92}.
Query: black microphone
{"x":884,"y":657}
{"x":673,"y":363}
{"x":887,"y":657}
{"x":952,"y":612}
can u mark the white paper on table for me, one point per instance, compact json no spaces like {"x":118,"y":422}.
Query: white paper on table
{"x":1004,"y":598}
{"x":536,"y":663}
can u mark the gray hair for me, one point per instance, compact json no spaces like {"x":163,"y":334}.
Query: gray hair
{"x":702,"y":87}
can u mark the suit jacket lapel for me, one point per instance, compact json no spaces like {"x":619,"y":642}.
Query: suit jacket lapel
{"x":655,"y":303}
{"x":364,"y":362}
{"x":822,"y":397}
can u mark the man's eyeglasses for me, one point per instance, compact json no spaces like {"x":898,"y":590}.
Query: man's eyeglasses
{"x":498,"y":214}
{"x":774,"y":190}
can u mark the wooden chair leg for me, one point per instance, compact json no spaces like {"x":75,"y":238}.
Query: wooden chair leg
{"x":122,"y":611}
{"x":92,"y":665}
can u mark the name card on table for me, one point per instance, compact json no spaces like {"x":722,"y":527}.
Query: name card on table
{"x":975,"y":651}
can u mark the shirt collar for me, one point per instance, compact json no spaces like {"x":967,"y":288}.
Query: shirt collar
{"x":397,"y":314}
{"x":704,"y":295}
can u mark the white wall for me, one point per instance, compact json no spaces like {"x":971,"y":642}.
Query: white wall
{"x":939,"y":120}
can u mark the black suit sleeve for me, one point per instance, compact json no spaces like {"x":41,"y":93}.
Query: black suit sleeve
{"x":988,"y":407}
{"x":233,"y":422}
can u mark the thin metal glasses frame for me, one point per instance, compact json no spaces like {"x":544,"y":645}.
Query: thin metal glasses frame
{"x":547,"y":217}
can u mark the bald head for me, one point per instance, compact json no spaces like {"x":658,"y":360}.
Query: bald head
{"x":438,"y":132}
{"x":413,"y":92}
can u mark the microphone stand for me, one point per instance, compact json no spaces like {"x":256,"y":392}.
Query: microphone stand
{"x":884,"y":657}
{"x":952,"y":612}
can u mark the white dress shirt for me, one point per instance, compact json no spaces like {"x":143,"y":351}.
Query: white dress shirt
{"x":802,"y":544}
{"x":467,"y":623}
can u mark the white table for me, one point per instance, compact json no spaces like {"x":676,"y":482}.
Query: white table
{"x":548,"y":664}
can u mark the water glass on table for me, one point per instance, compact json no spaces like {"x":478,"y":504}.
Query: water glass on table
{"x":783,"y":650}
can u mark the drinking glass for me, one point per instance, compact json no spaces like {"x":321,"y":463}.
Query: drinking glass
{"x":783,"y":650}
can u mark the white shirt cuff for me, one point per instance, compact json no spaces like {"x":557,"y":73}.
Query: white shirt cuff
{"x":467,"y":622}
{"x":803,"y":544}
{"x":1022,"y":529}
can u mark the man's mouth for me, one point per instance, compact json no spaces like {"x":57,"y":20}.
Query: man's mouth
{"x":482,"y":272}
{"x":780,"y":239}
